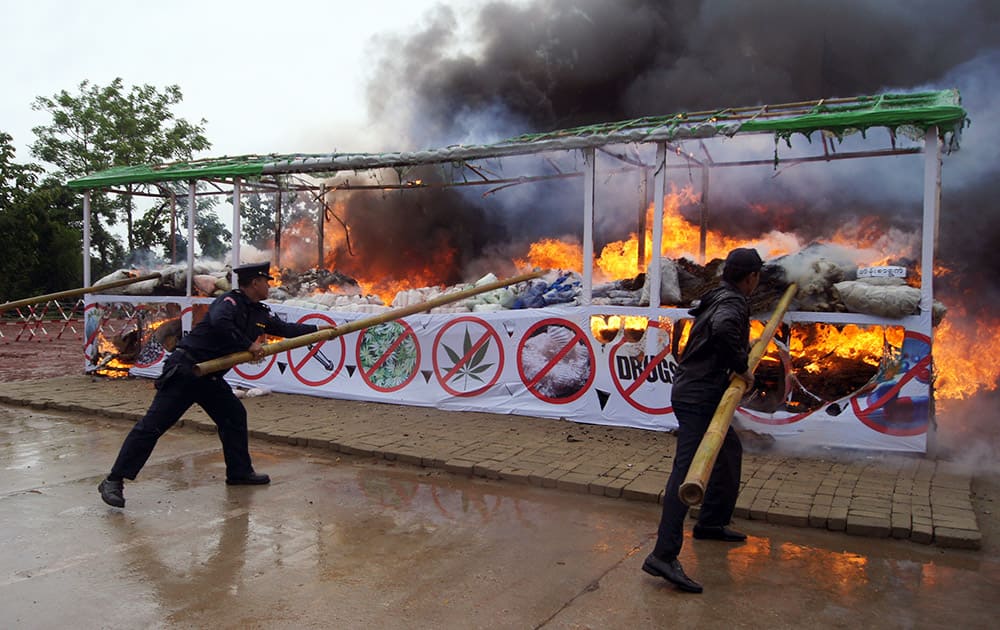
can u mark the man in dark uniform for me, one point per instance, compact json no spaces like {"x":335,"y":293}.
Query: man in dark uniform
{"x":234,"y":323}
{"x":718,"y":348}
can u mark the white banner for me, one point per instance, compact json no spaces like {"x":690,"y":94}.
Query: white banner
{"x":547,"y":363}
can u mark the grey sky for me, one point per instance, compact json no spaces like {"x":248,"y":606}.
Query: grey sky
{"x":267,"y":76}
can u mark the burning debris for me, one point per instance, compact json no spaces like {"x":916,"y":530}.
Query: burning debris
{"x":119,"y":337}
{"x":827,"y":284}
{"x":342,"y":293}
{"x":829,"y":280}
{"x":210,"y":279}
{"x":314,"y":281}
{"x":323,"y":290}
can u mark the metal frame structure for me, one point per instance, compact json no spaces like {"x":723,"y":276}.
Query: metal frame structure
{"x":933,"y":119}
{"x":938,"y":114}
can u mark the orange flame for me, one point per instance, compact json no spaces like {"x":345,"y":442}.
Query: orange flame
{"x":813,"y":342}
{"x":959,"y":374}
{"x":550,"y":253}
{"x":966,"y":354}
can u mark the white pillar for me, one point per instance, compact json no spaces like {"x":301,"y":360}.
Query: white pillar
{"x":653,"y":273}
{"x":932,"y":209}
{"x":588,"y":225}
{"x":236,"y":223}
{"x":190,"y":239}
{"x":86,"y":238}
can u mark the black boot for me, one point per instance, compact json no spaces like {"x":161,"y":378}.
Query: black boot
{"x":113,"y":492}
{"x":253,"y":479}
{"x":671,"y":571}
{"x":719,"y":532}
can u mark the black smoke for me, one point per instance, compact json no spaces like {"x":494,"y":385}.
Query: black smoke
{"x":478,"y":75}
{"x":515,"y":67}
{"x":555,"y":64}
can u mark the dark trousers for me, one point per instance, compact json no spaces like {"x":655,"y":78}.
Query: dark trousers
{"x":176,"y":391}
{"x":723,"y":484}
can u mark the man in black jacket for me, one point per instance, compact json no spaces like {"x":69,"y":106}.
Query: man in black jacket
{"x":235,"y":322}
{"x":718,"y":347}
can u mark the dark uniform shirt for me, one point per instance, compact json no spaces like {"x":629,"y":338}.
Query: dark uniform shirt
{"x":717,"y":348}
{"x":232,"y":324}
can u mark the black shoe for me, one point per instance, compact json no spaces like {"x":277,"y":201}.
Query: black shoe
{"x":719,"y":532}
{"x":113,"y":492}
{"x":253,"y":479}
{"x":671,"y":571}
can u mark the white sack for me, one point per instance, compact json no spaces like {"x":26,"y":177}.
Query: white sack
{"x":670,"y":286}
{"x":883,"y":301}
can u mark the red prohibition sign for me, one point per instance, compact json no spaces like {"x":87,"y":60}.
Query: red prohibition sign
{"x":146,"y":364}
{"x":532,"y":383}
{"x":314,"y":352}
{"x":368,"y":374}
{"x":89,"y":341}
{"x":249,"y":373}
{"x":468,"y":356}
{"x":253,"y":371}
{"x":629,"y":392}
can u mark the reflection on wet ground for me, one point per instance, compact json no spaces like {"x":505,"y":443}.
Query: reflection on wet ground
{"x":352,"y":543}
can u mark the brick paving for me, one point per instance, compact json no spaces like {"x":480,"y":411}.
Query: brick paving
{"x":876,"y":495}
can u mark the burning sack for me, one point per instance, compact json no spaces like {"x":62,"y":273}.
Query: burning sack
{"x":211,"y":279}
{"x":892,"y":301}
{"x":565,"y":289}
{"x":670,"y":285}
{"x":145,"y":287}
{"x":816,"y":269}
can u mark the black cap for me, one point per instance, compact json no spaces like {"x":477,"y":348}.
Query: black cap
{"x":256,"y":270}
{"x":743,"y":260}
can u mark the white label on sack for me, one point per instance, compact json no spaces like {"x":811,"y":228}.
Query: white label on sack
{"x":887,"y":271}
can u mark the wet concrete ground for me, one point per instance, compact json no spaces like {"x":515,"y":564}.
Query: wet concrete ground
{"x":924,"y":500}
{"x":344,"y":542}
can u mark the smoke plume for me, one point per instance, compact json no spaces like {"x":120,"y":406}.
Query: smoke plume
{"x":511,"y":67}
{"x":515,"y":67}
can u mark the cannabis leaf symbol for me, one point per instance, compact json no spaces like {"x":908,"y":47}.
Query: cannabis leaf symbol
{"x":474,"y":366}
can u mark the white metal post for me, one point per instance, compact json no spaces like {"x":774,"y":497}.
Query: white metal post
{"x":588,"y":225}
{"x":236,"y":224}
{"x":173,"y":227}
{"x":932,"y":209}
{"x":653,"y":273}
{"x":190,"y":239}
{"x":86,"y":238}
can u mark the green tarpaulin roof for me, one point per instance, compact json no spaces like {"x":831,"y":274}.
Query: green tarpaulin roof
{"x":922,"y":110}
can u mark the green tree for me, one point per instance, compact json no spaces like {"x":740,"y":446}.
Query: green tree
{"x":58,"y":230}
{"x":16,"y":180}
{"x":212,"y":236}
{"x":257,"y":218}
{"x":39,"y":230}
{"x":102,"y":127}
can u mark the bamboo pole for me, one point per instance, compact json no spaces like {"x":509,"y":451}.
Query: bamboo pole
{"x":75,"y":292}
{"x":229,"y":360}
{"x":692,"y":491}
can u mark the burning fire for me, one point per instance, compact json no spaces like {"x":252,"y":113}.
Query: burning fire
{"x":606,"y":328}
{"x":550,"y":253}
{"x":814,"y":348}
{"x":966,"y":355}
{"x":117,"y":354}
{"x":811,"y":344}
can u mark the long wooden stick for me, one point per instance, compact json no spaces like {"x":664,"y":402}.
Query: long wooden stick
{"x":76,"y":292}
{"x":229,"y":360}
{"x":692,"y":491}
